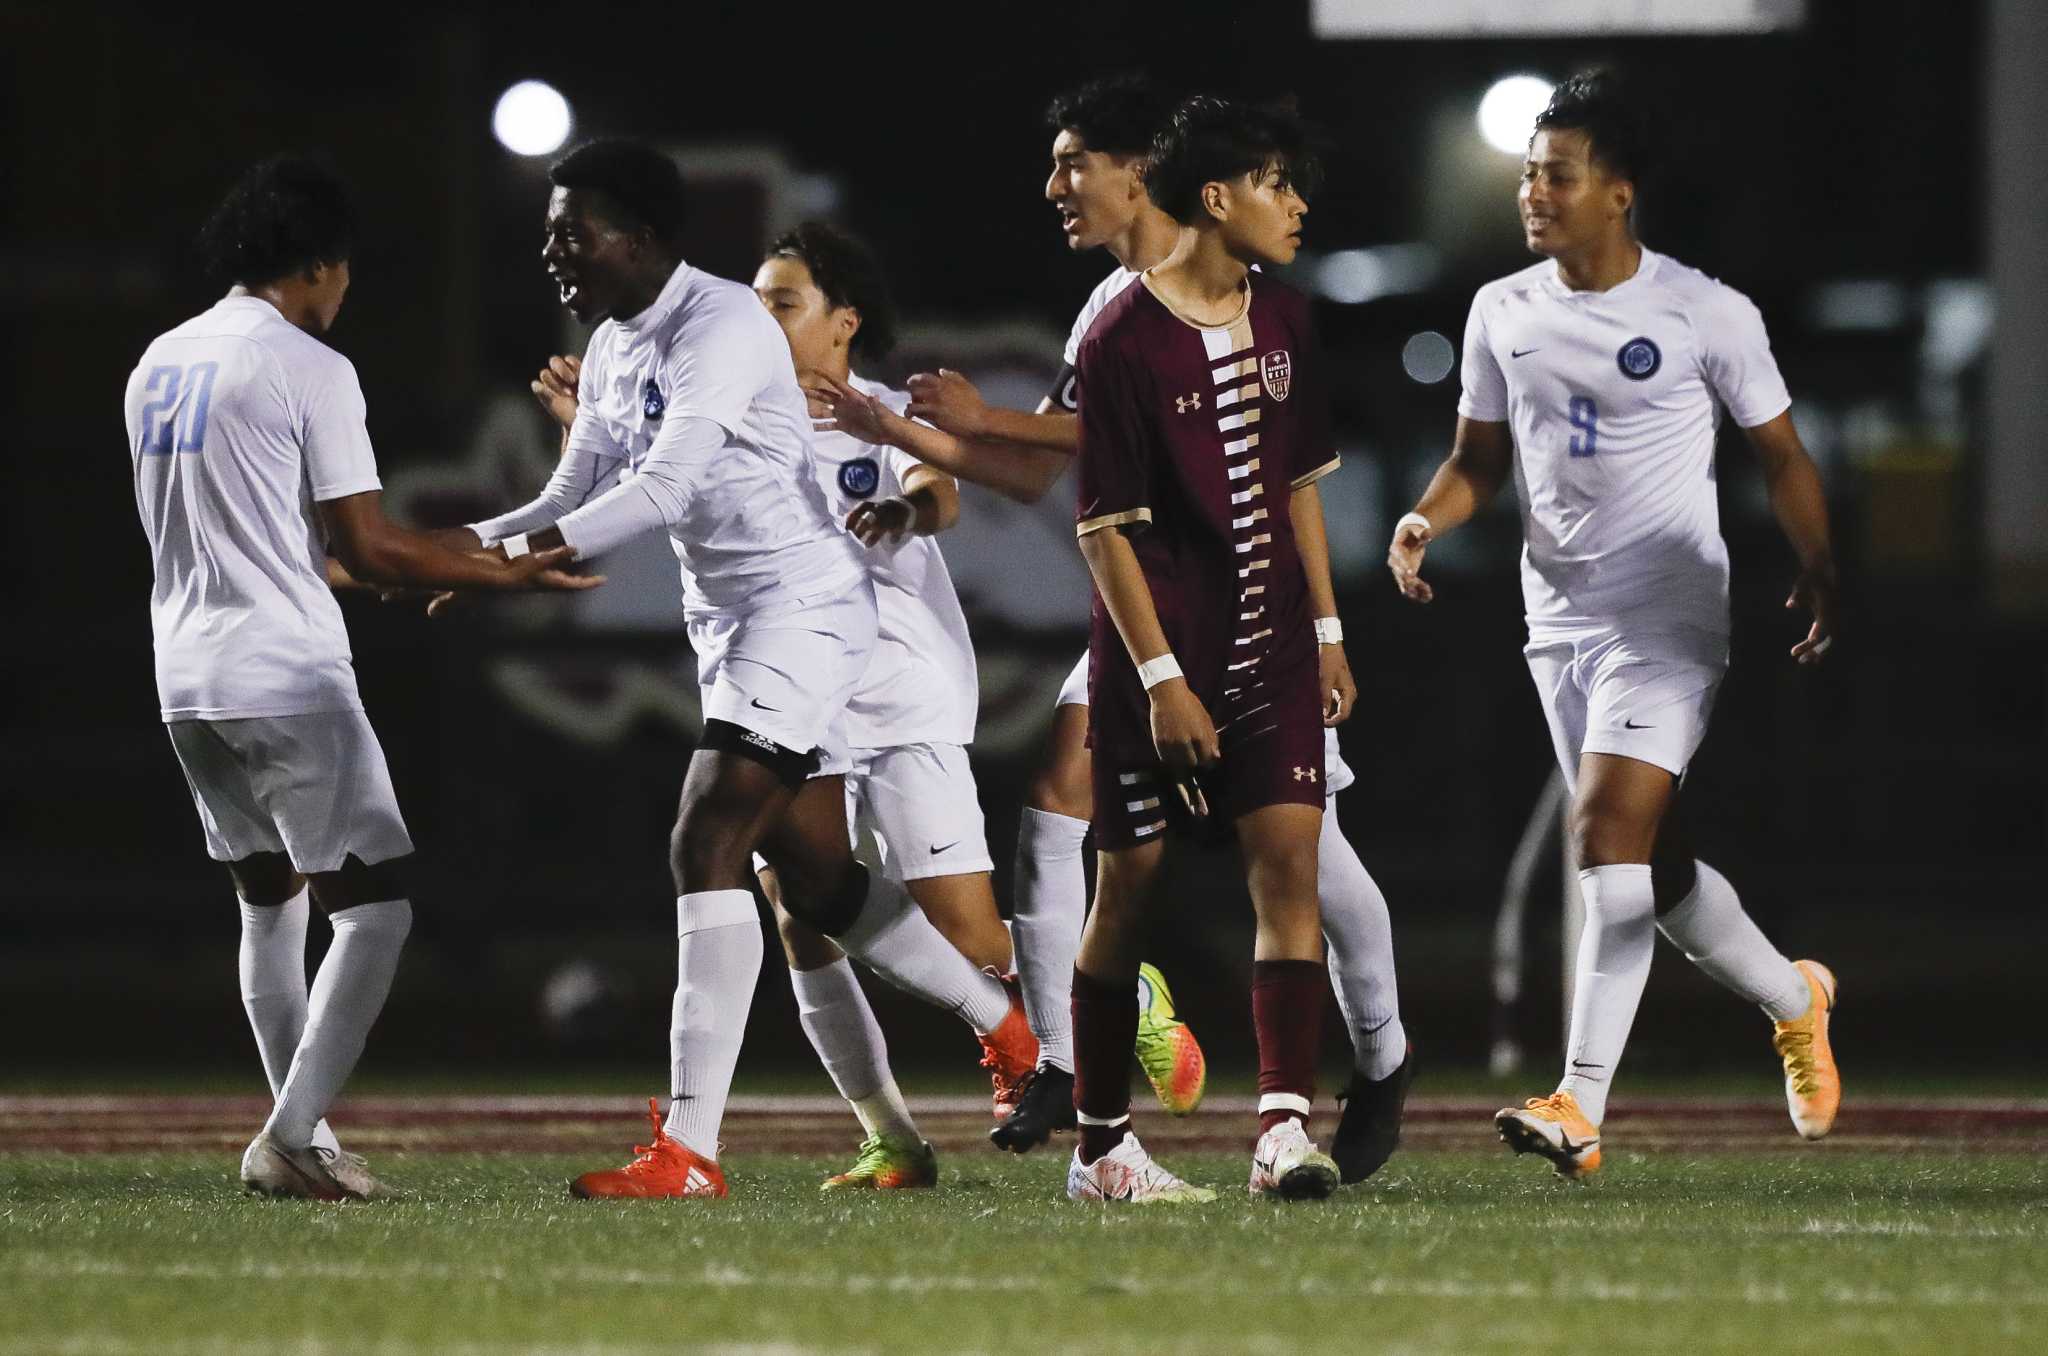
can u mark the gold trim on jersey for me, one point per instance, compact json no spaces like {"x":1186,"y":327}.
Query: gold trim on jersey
{"x":1313,"y":476}
{"x":1136,"y":515}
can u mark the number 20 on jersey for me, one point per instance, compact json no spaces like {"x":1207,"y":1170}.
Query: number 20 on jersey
{"x":175,"y":419}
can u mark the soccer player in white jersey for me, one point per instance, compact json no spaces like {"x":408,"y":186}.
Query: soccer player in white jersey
{"x":258,"y":491}
{"x":1101,"y":133}
{"x":690,"y":421}
{"x":1595,"y":377}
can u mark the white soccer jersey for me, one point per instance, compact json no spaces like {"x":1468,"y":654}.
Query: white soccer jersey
{"x":238,"y":422}
{"x":1105,"y":292}
{"x":1612,"y":399}
{"x":921,"y":685}
{"x":755,"y":530}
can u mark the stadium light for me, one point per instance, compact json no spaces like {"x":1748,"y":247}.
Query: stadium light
{"x":1507,"y":114}
{"x":532,"y":118}
{"x":1427,"y":357}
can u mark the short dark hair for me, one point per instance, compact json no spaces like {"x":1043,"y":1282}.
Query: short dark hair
{"x":1118,"y":115}
{"x":1601,"y":104}
{"x":847,"y":272}
{"x":1209,"y":139}
{"x":285,"y":215}
{"x":638,"y":182}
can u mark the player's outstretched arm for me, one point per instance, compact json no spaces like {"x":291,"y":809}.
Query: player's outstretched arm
{"x":1802,"y":511}
{"x":1312,"y":544}
{"x":951,"y":403}
{"x":1481,"y":456}
{"x":1014,"y":471}
{"x":378,"y":552}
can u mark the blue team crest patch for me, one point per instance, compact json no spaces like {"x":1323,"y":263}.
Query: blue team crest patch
{"x":860,"y":476}
{"x":652,"y":403}
{"x":1639,"y":359}
{"x":1276,"y":370}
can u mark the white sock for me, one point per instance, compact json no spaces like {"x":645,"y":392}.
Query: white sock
{"x":1614,"y":961}
{"x":843,"y":1030}
{"x":347,"y":995}
{"x":1361,"y":939}
{"x":893,"y":938}
{"x":1051,"y":896}
{"x":1710,"y":927}
{"x":718,"y":959}
{"x":272,"y":964}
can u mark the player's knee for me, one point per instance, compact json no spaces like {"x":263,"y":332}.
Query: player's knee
{"x":1062,"y":787}
{"x":265,"y":879}
{"x":802,"y":945}
{"x":707,"y":852}
{"x":1603,"y":836}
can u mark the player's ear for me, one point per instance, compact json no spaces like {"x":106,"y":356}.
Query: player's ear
{"x":1624,"y":196}
{"x":1216,"y":200}
{"x":847,"y":318}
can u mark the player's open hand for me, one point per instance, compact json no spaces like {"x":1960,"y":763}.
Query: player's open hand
{"x":555,"y":388}
{"x":949,"y":402}
{"x":1340,"y":693}
{"x":550,"y":570}
{"x":1404,"y":558}
{"x":847,"y":410}
{"x":879,"y":520}
{"x":1815,"y":593}
{"x":1184,"y":737}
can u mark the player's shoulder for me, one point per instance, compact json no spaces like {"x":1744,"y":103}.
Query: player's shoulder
{"x":1698,"y":291}
{"x":1277,"y":299}
{"x":1108,"y":289}
{"x":1520,"y":285}
{"x":896,"y":400}
{"x":712,"y":302}
{"x":1120,"y":316}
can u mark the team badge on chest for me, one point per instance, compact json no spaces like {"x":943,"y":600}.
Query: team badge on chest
{"x":1277,"y":372}
{"x":1639,"y":359}
{"x":859,"y":477}
{"x":651,"y":401}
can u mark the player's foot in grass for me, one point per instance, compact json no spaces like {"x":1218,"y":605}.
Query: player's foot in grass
{"x":1371,"y":1128}
{"x":1128,"y":1174}
{"x":1813,"y":1086}
{"x":1010,"y":1052}
{"x":354,"y":1175}
{"x":271,"y":1169}
{"x":1554,"y":1127}
{"x":888,"y":1165}
{"x":1286,"y":1163}
{"x":1167,"y":1051}
{"x":1045,"y":1104}
{"x":663,"y":1169}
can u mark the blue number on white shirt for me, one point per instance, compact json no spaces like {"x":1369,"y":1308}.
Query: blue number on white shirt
{"x":1586,"y":419}
{"x":166,"y":424}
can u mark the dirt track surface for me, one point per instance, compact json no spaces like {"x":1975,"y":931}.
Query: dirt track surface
{"x":822,"y":1125}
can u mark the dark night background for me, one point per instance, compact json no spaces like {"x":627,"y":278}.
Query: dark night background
{"x":1888,"y":813}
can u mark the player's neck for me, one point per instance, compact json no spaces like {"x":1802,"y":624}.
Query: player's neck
{"x":291,"y":302}
{"x":644,"y":288}
{"x":1147,"y":241}
{"x":1201,"y":279}
{"x":1597,"y":268}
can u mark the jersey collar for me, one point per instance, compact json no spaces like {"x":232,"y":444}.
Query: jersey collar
{"x":663,"y":306}
{"x":1646,"y":268}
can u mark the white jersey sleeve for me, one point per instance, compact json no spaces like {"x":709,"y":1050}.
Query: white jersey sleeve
{"x":718,"y":368}
{"x":589,"y":466}
{"x":335,"y":436}
{"x":1484,"y":393}
{"x":1735,"y":355}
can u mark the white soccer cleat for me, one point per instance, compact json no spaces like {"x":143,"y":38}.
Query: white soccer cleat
{"x":1127,"y":1173}
{"x":354,"y":1175}
{"x":270,"y":1169}
{"x":1286,"y":1163}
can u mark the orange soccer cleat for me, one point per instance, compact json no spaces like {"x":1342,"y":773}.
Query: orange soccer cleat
{"x":664,"y":1169}
{"x":1010,"y":1052}
{"x":1813,"y":1085}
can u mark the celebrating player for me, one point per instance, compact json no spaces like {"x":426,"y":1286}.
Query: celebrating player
{"x":689,"y":420}
{"x":1102,"y":134}
{"x":1594,"y":377}
{"x":1215,"y":660}
{"x":238,"y":421}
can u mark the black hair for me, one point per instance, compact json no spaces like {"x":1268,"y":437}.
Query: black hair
{"x":847,"y":272}
{"x":1209,"y":139}
{"x":1118,"y":115}
{"x":640,"y":184}
{"x":1600,"y":103}
{"x":285,"y":215}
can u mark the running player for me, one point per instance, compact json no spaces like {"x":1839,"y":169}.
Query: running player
{"x":1214,"y":659}
{"x":1102,"y":134}
{"x":252,"y":465}
{"x":690,"y":420}
{"x":1595,"y":378}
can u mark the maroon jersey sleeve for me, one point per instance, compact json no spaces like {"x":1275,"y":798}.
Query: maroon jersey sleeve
{"x":1116,"y":441}
{"x":1315,"y":450}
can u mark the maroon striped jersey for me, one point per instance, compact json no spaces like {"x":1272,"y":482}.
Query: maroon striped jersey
{"x":1192,"y":440}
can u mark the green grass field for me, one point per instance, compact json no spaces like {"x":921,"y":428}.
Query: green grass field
{"x":1448,"y":1250}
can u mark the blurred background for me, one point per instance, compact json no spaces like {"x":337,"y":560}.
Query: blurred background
{"x":1869,"y":173}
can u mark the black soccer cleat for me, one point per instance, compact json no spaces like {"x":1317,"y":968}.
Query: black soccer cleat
{"x":1044,"y":1104}
{"x":1371,"y":1128}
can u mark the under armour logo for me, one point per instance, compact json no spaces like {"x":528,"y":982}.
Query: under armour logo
{"x":1185,"y":403}
{"x":1304,"y":774}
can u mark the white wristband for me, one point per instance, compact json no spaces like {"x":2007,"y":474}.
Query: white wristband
{"x":515,"y":546}
{"x":1153,"y":672}
{"x":1416,"y":519}
{"x":1329,"y":631}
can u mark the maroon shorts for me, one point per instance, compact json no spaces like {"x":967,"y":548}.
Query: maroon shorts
{"x":1271,"y":756}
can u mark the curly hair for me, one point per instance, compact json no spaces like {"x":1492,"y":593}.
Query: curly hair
{"x":1118,"y":115}
{"x":847,"y":272}
{"x":1210,"y":139}
{"x":642,"y":186}
{"x":283,"y":216}
{"x":1600,"y":103}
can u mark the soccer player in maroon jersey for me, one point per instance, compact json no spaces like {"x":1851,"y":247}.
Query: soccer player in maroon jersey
{"x":1215,"y":658}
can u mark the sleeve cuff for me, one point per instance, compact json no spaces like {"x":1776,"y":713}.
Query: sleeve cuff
{"x":1096,"y":524}
{"x":1313,"y":476}
{"x":343,"y":489}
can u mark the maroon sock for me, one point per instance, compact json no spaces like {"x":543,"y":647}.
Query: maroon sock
{"x":1105,"y":1025}
{"x":1287,"y":1014}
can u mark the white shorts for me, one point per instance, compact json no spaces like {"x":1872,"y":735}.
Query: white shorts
{"x":788,"y":674}
{"x":313,"y":787}
{"x":919,"y":801}
{"x":1641,"y":694}
{"x":1074,"y":692}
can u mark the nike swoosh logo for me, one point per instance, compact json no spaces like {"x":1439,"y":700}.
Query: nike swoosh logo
{"x":949,"y":847}
{"x":761,"y":705}
{"x":1521,"y":352}
{"x":1631,"y":725}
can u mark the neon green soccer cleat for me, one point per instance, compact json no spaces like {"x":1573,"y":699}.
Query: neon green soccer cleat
{"x":888,"y":1165}
{"x":1167,"y":1051}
